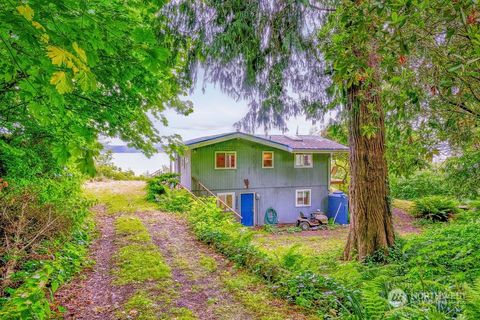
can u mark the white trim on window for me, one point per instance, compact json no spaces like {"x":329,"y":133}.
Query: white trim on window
{"x":273,"y":160}
{"x":226,"y":194}
{"x":226,"y":152}
{"x":309,"y":198}
{"x":302,"y":165}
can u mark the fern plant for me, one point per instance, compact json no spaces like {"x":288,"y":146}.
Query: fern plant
{"x":374,"y":299}
{"x":472,"y":300}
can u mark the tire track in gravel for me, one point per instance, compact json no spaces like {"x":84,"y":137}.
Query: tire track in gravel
{"x":200,"y":291}
{"x":91,"y":295}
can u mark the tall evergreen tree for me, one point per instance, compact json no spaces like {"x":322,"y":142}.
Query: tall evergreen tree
{"x":269,"y":52}
{"x":364,"y":58}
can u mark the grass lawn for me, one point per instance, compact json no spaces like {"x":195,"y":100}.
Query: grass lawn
{"x":405,"y":205}
{"x":120,"y":196}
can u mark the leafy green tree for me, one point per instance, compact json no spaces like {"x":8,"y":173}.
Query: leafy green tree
{"x":73,"y":70}
{"x":306,"y":57}
{"x":270,"y":54}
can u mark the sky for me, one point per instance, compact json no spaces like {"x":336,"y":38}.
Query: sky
{"x":215,"y":112}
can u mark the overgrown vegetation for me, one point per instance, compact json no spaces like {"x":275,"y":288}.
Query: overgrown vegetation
{"x":157,"y":185}
{"x":215,"y":227}
{"x":432,"y":269}
{"x":172,"y":200}
{"x":45,"y":230}
{"x":69,"y":72}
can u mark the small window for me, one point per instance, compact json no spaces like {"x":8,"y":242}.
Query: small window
{"x":303,"y":198}
{"x":267,"y":159}
{"x":303,"y":160}
{"x":225,"y":160}
{"x":228,"y":198}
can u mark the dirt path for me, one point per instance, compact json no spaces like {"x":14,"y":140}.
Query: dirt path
{"x":92,"y":295}
{"x":202,"y":284}
{"x":404,"y":222}
{"x":201,"y":289}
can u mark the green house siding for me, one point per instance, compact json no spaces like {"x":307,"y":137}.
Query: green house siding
{"x":273,"y":187}
{"x":249,"y":166}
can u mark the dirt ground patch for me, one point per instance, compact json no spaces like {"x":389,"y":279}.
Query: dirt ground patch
{"x":91,"y":295}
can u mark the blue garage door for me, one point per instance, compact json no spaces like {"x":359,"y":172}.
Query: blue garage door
{"x":246,"y":205}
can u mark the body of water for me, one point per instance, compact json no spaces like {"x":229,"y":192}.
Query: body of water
{"x":139,"y":163}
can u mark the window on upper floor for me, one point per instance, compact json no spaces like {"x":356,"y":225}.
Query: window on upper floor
{"x":225,"y":160}
{"x":303,"y":160}
{"x":303,"y":197}
{"x":267,"y":159}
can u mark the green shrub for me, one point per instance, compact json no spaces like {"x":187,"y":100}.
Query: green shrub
{"x":421,"y":184}
{"x":175,"y":201}
{"x":41,"y":217}
{"x":474,"y":205}
{"x":435,"y":208}
{"x":463,"y":173}
{"x":157,"y":185}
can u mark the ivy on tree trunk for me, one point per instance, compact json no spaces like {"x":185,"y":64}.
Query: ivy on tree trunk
{"x":371,"y":225}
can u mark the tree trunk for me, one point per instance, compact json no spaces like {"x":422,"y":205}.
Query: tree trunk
{"x":371,"y":227}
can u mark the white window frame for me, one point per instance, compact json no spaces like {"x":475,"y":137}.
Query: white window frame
{"x":226,"y":168}
{"x":227,"y":194}
{"x":273,"y":160}
{"x":309,"y":197}
{"x":303,"y":154}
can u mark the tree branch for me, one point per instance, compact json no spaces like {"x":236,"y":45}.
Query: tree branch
{"x":321,"y":8}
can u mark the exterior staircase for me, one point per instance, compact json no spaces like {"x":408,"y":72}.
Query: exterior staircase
{"x":200,"y":190}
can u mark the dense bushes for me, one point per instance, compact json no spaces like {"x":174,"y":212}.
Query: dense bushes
{"x":43,"y":242}
{"x":157,"y":185}
{"x":175,"y":201}
{"x":421,"y":184}
{"x":457,"y":177}
{"x":464,"y":173}
{"x":435,"y":208}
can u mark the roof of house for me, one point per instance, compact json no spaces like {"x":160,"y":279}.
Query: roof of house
{"x":290,"y":143}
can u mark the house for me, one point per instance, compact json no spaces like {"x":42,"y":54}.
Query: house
{"x":252,"y":173}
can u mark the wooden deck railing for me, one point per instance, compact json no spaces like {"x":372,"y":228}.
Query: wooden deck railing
{"x":201,"y":188}
{"x":191,"y":193}
{"x":156,"y":173}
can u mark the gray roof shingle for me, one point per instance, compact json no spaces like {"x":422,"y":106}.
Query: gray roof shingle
{"x":308,"y":142}
{"x":286,"y":142}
